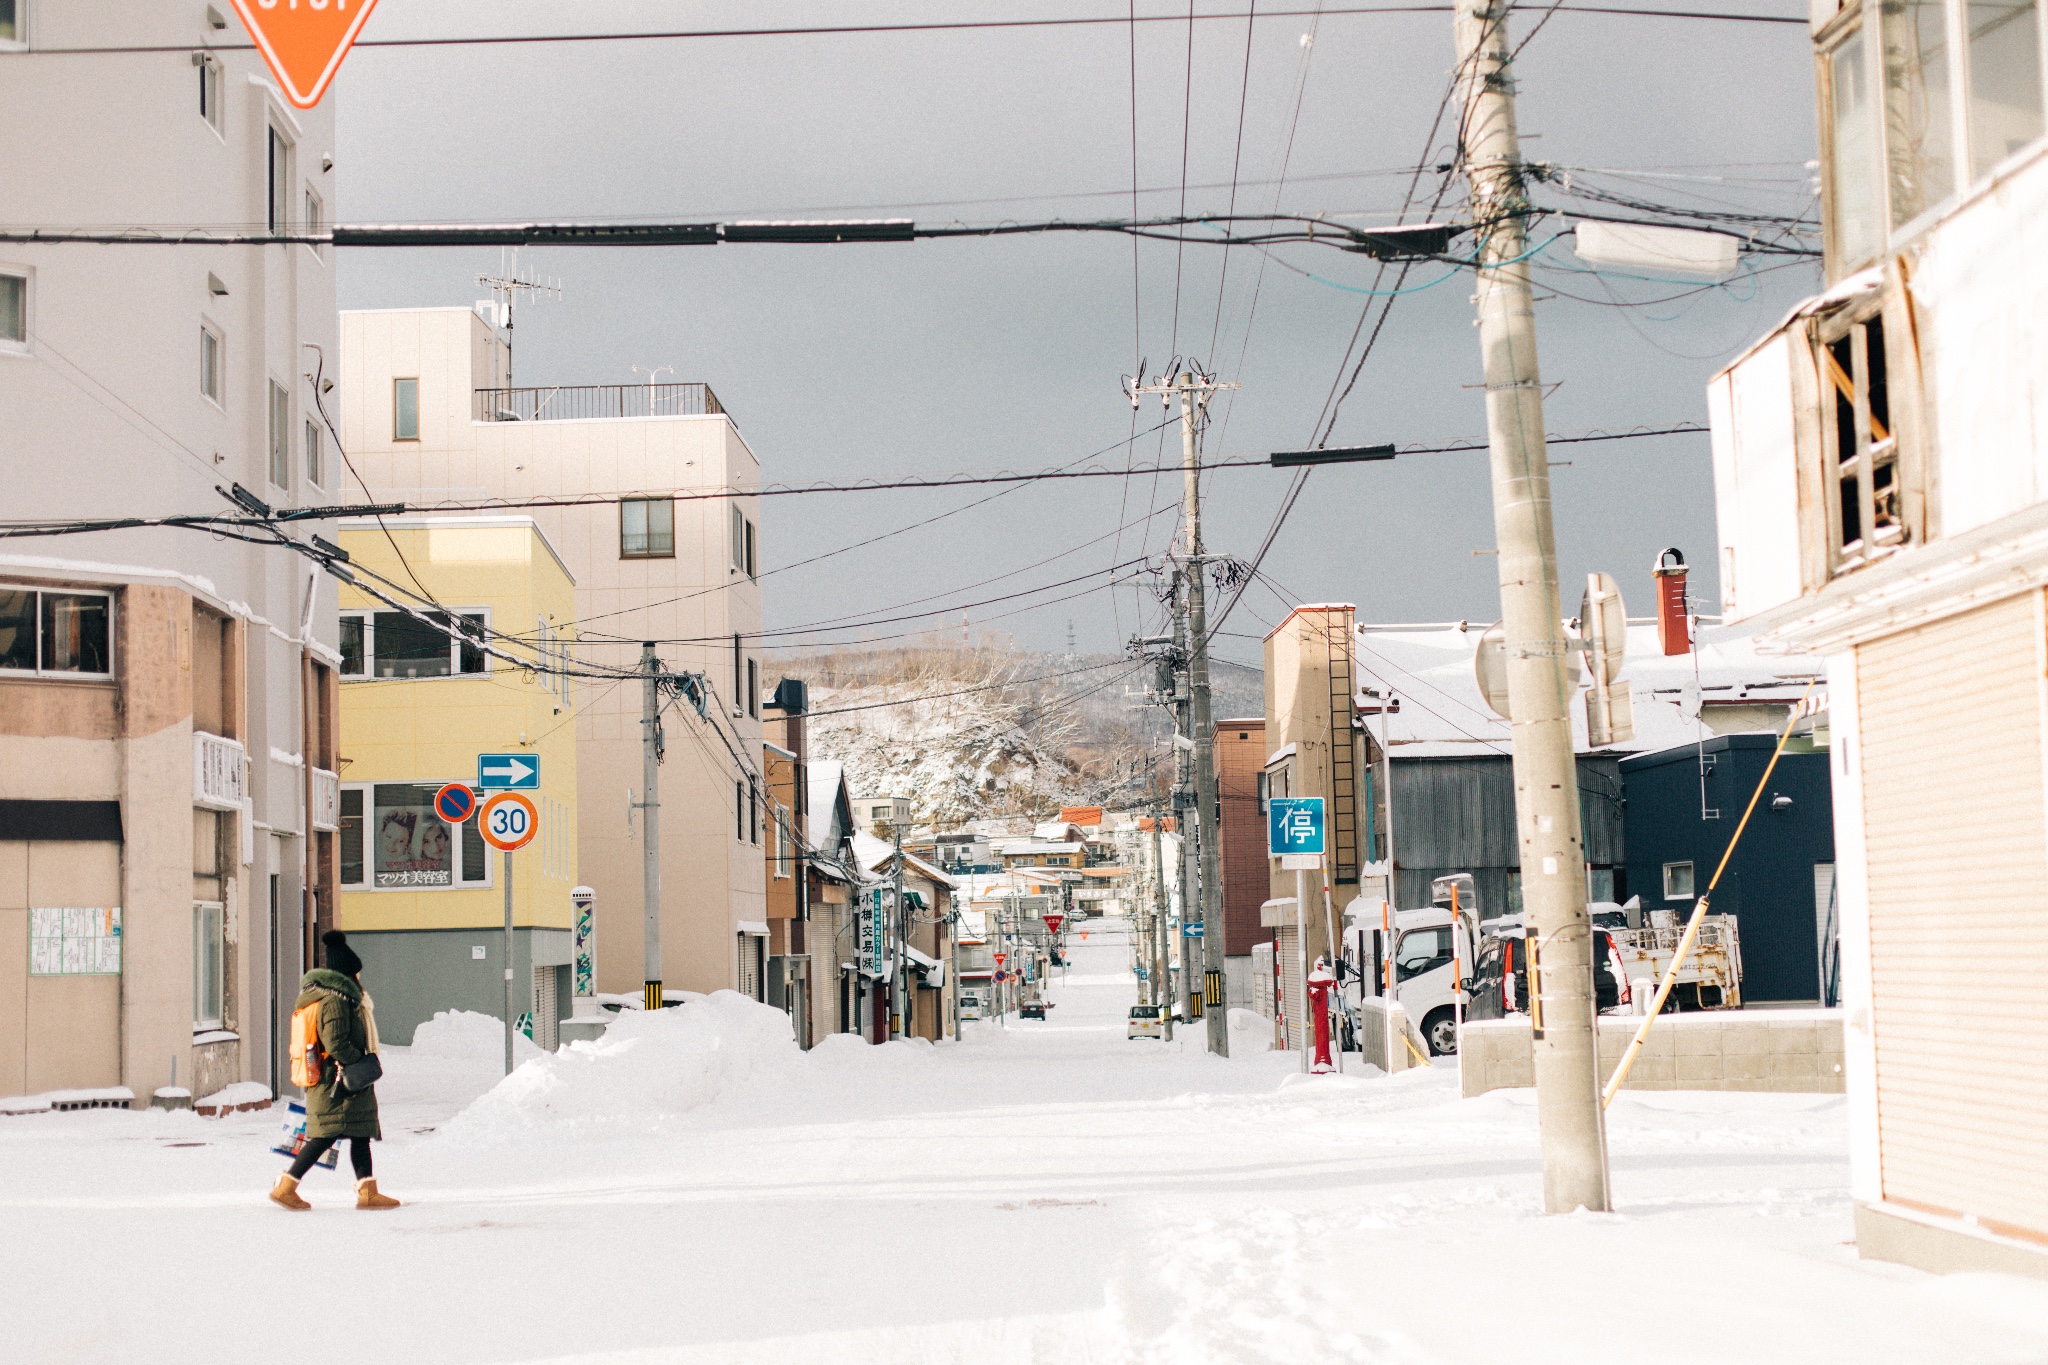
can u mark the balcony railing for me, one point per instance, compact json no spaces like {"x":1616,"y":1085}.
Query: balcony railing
{"x":220,"y":772}
{"x":582,"y":402}
{"x":326,"y":800}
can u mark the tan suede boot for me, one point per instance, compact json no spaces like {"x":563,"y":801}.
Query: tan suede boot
{"x":368,"y":1198}
{"x":286,"y":1195}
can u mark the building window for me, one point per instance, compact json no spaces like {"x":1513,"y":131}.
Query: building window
{"x":754,"y":688}
{"x":212,"y":364}
{"x":277,"y":205}
{"x":14,"y":21}
{"x":209,"y":90}
{"x":13,"y":312}
{"x":739,"y":539}
{"x":405,"y":409}
{"x":209,"y":966}
{"x":280,"y":435}
{"x":783,"y":844}
{"x":56,"y":633}
{"x":1854,"y":231}
{"x":753,"y":566}
{"x":315,"y":474}
{"x":391,"y":840}
{"x":647,"y":528}
{"x":1860,"y":443}
{"x":753,"y":810}
{"x":739,"y":676}
{"x":739,"y":810}
{"x":397,"y":644}
{"x":1678,"y":881}
{"x":1943,"y":109}
{"x":315,"y":219}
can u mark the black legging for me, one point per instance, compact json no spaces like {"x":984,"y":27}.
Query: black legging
{"x":315,"y":1148}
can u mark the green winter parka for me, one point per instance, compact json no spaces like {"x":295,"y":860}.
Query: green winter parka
{"x":345,"y":1037}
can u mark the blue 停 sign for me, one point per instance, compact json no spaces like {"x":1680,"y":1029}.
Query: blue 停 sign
{"x":508,"y":772}
{"x":1294,"y":824}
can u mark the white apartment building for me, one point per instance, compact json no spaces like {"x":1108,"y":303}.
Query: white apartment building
{"x":167,"y":724}
{"x":1881,"y":462}
{"x":665,"y":555}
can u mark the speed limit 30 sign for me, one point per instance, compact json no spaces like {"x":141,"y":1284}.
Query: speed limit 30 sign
{"x":508,"y":822}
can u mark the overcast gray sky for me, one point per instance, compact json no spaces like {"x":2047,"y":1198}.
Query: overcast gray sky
{"x":941,"y":356}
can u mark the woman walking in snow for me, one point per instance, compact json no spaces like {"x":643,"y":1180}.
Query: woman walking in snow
{"x":348,"y":1033}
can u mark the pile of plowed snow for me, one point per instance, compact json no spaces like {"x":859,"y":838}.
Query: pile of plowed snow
{"x":647,"y":1068}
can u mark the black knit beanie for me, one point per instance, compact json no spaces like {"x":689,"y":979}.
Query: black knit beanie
{"x":341,"y":957}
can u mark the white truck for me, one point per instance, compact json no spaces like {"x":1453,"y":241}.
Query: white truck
{"x":1428,"y":951}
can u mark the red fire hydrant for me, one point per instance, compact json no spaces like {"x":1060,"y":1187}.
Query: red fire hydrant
{"x":1320,"y":983}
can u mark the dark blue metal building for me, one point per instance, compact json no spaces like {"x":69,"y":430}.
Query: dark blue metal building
{"x":1780,"y":882}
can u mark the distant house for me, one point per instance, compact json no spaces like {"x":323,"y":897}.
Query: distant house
{"x":1682,"y":808}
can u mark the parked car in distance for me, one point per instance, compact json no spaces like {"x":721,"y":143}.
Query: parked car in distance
{"x":1146,"y":1021}
{"x":1031,"y":1009}
{"x":1499,"y":984}
{"x":970,"y":1005}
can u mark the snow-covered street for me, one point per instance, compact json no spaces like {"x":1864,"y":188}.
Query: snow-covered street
{"x":1041,"y":1192}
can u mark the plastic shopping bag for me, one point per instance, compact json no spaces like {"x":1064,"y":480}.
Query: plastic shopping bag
{"x":292,"y":1140}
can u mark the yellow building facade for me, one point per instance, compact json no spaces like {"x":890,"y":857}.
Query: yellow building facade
{"x":423,"y":901}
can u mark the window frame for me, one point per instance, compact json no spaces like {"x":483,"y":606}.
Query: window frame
{"x":398,"y":409}
{"x":279,"y":410}
{"x":367,"y":619}
{"x":369,"y":883}
{"x":1691,"y":882}
{"x":19,"y":42}
{"x":26,"y":277}
{"x":646,"y":535}
{"x":739,"y":539}
{"x":314,"y":209}
{"x":65,"y":674}
{"x":218,"y":377}
{"x":1884,"y":313}
{"x":212,"y":90}
{"x":316,"y":442}
{"x":1865,"y":18}
{"x":277,"y":179}
{"x":209,"y":950}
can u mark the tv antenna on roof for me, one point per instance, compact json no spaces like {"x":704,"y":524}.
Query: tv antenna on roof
{"x":507,"y":287}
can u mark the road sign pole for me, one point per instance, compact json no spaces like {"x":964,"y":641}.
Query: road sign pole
{"x":511,"y":1019}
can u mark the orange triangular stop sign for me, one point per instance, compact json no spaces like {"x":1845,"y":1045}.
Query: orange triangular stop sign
{"x":304,"y":40}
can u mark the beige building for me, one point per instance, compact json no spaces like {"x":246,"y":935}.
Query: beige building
{"x":662,"y":551}
{"x":167,"y":784}
{"x":1881,"y":472}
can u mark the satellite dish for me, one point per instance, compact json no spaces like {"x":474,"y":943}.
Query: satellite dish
{"x":1490,"y":667}
{"x":1603,"y":622}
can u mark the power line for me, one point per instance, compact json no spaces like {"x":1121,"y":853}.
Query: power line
{"x":828,"y":30}
{"x":226,"y":521}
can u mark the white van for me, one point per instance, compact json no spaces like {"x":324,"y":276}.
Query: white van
{"x":1428,"y":951}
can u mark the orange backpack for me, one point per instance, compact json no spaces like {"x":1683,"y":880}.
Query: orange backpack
{"x":308,"y":1058}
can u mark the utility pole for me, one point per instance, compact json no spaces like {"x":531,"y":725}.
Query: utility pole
{"x":1195,"y":389}
{"x":1546,"y":774}
{"x":1159,"y":920}
{"x":649,"y":807}
{"x":897,"y":957}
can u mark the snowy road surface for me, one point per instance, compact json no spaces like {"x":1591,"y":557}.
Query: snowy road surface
{"x":1045,"y":1192}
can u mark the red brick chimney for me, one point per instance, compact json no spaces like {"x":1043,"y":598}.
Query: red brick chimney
{"x":1673,"y":628}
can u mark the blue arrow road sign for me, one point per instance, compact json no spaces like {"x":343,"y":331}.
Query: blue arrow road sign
{"x":1294,"y":824}
{"x":508,"y":772}
{"x":1193,"y":928}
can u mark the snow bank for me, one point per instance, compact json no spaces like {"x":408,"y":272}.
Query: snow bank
{"x":466,"y":1036}
{"x":645,"y":1070}
{"x":1250,"y":1032}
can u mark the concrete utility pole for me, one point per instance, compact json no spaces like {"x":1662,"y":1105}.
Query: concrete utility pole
{"x":898,"y":958}
{"x":1161,"y":992}
{"x":1546,"y":774}
{"x":649,"y":807}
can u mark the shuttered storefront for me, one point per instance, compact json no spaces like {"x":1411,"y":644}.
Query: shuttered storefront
{"x":1956,"y":830}
{"x":1287,"y":948}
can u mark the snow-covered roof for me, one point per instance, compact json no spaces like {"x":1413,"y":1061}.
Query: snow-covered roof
{"x":828,"y":783}
{"x":874,"y":853}
{"x":1015,"y":850}
{"x":1442,"y":714}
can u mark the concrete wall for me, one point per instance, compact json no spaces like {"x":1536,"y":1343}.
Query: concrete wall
{"x":1798,"y":1050}
{"x":1382,"y":1025}
{"x":414,"y":975}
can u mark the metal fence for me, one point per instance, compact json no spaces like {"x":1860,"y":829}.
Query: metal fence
{"x":582,"y":402}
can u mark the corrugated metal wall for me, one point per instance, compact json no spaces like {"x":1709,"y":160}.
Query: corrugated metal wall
{"x":1956,"y":835}
{"x":1458,"y":815}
